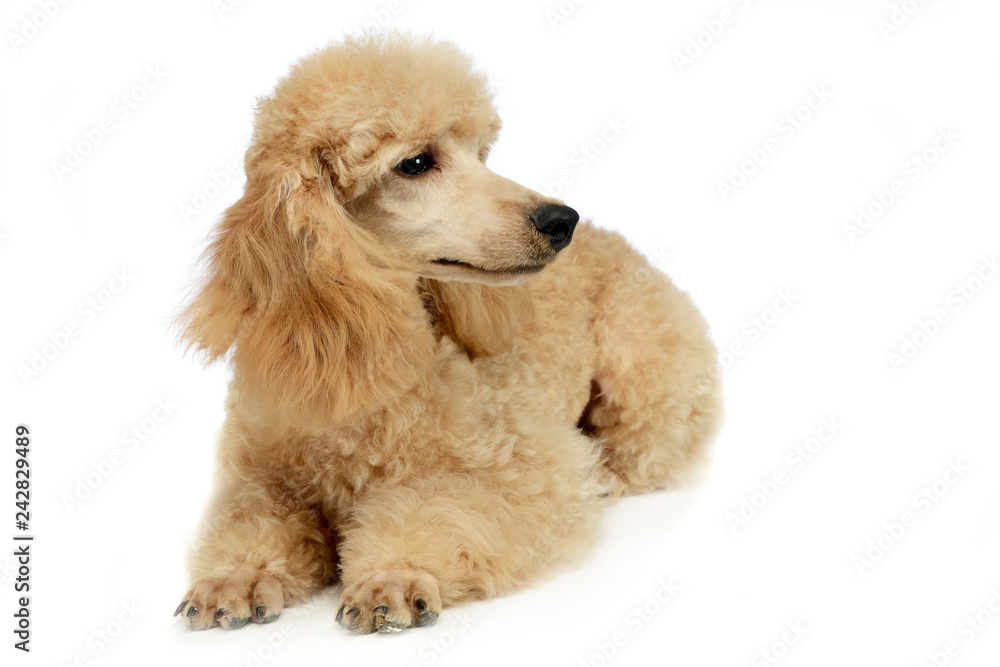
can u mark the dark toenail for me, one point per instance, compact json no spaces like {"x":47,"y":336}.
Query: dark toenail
{"x":237,"y":623}
{"x":192,"y":611}
{"x":421,"y":605}
{"x":426,"y":618}
{"x":181,"y":607}
{"x":261,"y":610}
{"x":219,"y":614}
{"x":340,"y":612}
{"x":382,"y":609}
{"x":354,"y":612}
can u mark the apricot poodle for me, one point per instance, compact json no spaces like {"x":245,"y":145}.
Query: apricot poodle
{"x":439,"y":377}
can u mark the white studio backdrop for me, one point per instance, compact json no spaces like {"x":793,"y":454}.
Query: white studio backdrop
{"x":821,"y":177}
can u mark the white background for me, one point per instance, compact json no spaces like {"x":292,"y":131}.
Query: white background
{"x":684,"y":128}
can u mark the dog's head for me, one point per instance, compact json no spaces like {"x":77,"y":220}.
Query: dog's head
{"x":399,"y":131}
{"x":365,"y":179}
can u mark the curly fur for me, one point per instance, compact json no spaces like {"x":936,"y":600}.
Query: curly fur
{"x":429,"y":440}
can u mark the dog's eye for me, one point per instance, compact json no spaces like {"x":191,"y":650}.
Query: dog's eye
{"x":416,"y":165}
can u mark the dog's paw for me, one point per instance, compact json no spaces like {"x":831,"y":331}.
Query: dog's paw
{"x":389,"y":601}
{"x":232,"y":600}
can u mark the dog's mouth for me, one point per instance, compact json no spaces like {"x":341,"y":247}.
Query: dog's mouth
{"x":517,"y":270}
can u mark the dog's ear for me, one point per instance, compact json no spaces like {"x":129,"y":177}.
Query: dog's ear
{"x":319,"y":322}
{"x":481,"y":318}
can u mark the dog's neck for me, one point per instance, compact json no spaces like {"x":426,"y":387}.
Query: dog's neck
{"x":484,"y":320}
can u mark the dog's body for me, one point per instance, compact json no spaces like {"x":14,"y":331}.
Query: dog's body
{"x":407,"y":409}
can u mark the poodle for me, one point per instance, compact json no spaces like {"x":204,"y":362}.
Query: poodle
{"x":439,"y":377}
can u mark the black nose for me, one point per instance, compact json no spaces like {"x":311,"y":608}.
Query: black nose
{"x":557,"y":223}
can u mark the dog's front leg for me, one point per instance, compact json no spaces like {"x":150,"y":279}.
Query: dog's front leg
{"x":407,"y":552}
{"x":258,"y":551}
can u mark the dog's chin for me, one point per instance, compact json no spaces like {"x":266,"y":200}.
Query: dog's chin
{"x":453,"y":269}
